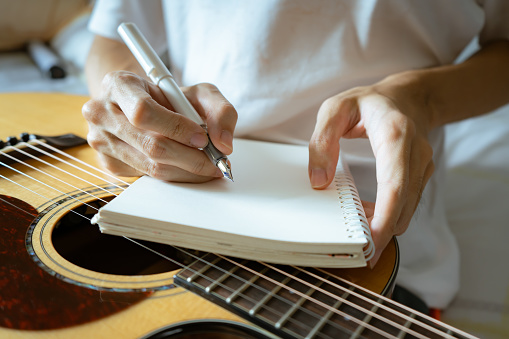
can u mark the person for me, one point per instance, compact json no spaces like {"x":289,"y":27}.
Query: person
{"x":374,"y":78}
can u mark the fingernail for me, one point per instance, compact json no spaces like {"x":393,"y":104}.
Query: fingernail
{"x":199,"y":140}
{"x":227,"y":139}
{"x":318,"y":177}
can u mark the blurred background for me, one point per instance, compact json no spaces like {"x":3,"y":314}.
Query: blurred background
{"x":477,"y":152}
{"x":60,"y":26}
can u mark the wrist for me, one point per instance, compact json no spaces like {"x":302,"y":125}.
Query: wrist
{"x":412,"y":92}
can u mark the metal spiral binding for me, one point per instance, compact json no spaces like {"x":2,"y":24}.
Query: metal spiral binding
{"x":353,"y":212}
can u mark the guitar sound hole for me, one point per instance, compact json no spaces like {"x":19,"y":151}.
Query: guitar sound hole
{"x":84,"y":245}
{"x":207,"y":329}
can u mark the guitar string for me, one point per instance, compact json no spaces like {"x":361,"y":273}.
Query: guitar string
{"x":328,"y":307}
{"x":386,"y":300}
{"x":224,"y":286}
{"x":70,"y":164}
{"x":58,"y":168}
{"x":42,"y":183}
{"x":56,"y":150}
{"x":51,"y":176}
{"x":19,"y":208}
{"x":85,"y":203}
{"x":294,"y":291}
{"x":97,"y":186}
{"x":48,"y":199}
{"x":230,"y":289}
{"x":374,"y":303}
{"x":402,"y":328}
{"x":83,"y":216}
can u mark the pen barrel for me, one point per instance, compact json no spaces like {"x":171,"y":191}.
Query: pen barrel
{"x":177,"y":99}
{"x":156,"y":70}
{"x":161,"y":76}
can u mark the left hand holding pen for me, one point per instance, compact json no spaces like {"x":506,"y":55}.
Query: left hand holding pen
{"x":395,"y":116}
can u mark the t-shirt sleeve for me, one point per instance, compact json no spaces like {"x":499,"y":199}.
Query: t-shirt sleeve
{"x":496,"y":25}
{"x":147,"y":15}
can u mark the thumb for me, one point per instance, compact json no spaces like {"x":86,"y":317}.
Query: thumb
{"x":324,"y":144}
{"x":218,"y":113}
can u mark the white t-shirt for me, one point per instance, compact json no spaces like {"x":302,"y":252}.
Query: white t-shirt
{"x":277,"y":61}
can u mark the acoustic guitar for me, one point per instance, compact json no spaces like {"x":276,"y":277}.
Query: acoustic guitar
{"x":61,"y":278}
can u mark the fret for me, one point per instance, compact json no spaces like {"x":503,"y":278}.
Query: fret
{"x":296,"y":305}
{"x":278,"y":302}
{"x":326,"y":318}
{"x":407,"y":325}
{"x":199,"y":273}
{"x":244,"y":286}
{"x":219,"y":280}
{"x":366,"y":320}
{"x":271,"y":294}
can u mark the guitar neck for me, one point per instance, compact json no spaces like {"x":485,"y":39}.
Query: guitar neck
{"x":293,"y":302}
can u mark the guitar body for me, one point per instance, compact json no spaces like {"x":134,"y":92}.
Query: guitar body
{"x":60,"y":278}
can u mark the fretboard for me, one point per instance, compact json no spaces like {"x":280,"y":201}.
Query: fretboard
{"x":294,"y":302}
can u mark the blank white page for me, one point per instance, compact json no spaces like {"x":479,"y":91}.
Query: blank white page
{"x":271,"y":198}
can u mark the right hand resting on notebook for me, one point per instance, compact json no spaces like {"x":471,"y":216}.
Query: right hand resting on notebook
{"x":136,"y":131}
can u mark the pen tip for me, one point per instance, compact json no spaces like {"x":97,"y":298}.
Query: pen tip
{"x":225,"y":168}
{"x":228,"y":174}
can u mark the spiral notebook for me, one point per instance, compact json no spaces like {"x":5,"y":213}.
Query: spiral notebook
{"x":269,"y":213}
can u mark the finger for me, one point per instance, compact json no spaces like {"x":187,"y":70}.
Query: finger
{"x":117,"y":167}
{"x":333,"y":120}
{"x":392,"y":153}
{"x":381,"y":237}
{"x":157,"y":150}
{"x":106,"y":133}
{"x":421,"y":169}
{"x":131,"y":94}
{"x":218,"y":112}
{"x":369,"y":209}
{"x":140,"y":163}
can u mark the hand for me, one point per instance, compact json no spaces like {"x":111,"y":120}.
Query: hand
{"x":135,"y":130}
{"x":396,"y":119}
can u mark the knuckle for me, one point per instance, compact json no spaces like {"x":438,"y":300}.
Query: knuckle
{"x":208,"y":86}
{"x":118,"y":77}
{"x":95,"y":140}
{"x":226,"y":109}
{"x":92,"y":111}
{"x":153,"y":169}
{"x":141,"y":113}
{"x":400,"y":127}
{"x":113,"y":79}
{"x":113,"y":166}
{"x":109,"y":79}
{"x":330,"y":104}
{"x":336,"y":110}
{"x":151,"y":146}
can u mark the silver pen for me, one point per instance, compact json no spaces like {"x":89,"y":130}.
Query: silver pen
{"x":161,"y":76}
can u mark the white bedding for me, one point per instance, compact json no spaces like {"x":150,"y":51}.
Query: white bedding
{"x":478,"y":212}
{"x":477,"y":186}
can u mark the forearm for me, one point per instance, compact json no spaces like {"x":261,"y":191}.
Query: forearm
{"x":105,"y":56}
{"x":454,"y":92}
{"x":477,"y":86}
